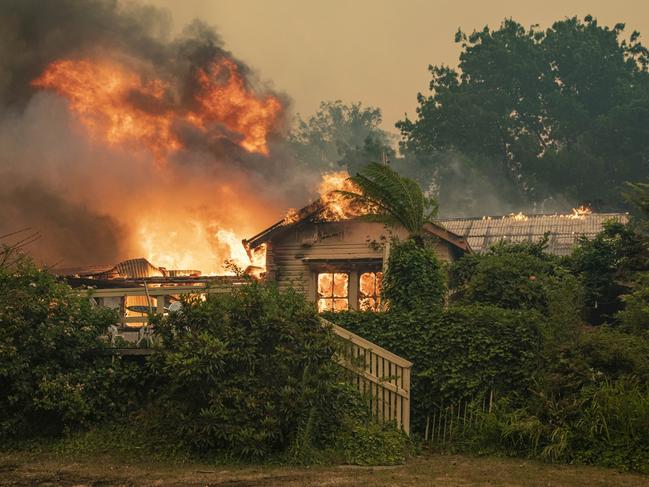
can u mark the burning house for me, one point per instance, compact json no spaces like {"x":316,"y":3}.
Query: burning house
{"x":335,"y":257}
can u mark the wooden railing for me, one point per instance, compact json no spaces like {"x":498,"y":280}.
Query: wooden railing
{"x":154,"y":299}
{"x":381,"y":376}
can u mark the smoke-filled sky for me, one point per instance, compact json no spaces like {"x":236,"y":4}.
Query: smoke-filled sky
{"x":375,"y":51}
{"x":126,"y":130}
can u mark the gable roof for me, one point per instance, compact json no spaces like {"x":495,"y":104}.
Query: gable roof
{"x":563,"y":230}
{"x":313,"y":211}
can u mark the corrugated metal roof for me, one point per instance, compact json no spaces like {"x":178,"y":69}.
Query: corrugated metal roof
{"x":563,"y":230}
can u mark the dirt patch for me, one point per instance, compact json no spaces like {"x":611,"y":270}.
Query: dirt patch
{"x":438,"y":470}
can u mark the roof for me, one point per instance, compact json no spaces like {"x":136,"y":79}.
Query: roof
{"x":563,"y":230}
{"x":127,"y":269}
{"x":313,"y":211}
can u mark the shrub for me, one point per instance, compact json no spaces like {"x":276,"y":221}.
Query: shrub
{"x":605,"y":264}
{"x":49,"y":380}
{"x":634,"y":317}
{"x":414,"y":277}
{"x":513,"y":276}
{"x":251,"y":374}
{"x":603,"y":423}
{"x":614,"y":354}
{"x":371,"y":444}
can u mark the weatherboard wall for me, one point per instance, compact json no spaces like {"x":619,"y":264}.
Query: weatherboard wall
{"x":290,"y":256}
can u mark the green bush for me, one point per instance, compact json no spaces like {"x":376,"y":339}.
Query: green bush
{"x":634,"y":317}
{"x":512,"y":276}
{"x":372,"y":444}
{"x":251,"y":374}
{"x":50,"y":380}
{"x":606,"y":265}
{"x":604,"y":423}
{"x":614,"y":354}
{"x":457,"y":353}
{"x":414,"y":277}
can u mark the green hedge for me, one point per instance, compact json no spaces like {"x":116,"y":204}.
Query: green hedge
{"x":50,"y":381}
{"x":458,"y":353}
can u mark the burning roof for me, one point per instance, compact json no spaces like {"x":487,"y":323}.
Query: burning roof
{"x":127,"y":269}
{"x":563,"y":230}
{"x":332,"y":207}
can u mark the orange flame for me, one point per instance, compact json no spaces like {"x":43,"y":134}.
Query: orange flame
{"x":109,"y":100}
{"x":337,"y":206}
{"x":98,"y":93}
{"x":119,"y":106}
{"x":580,"y":212}
{"x":232,"y":104}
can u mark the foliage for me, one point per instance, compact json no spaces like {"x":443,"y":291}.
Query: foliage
{"x":457,"y":353}
{"x":394,"y":199}
{"x":372,"y":443}
{"x":413,"y":278}
{"x":340,"y":135}
{"x":536,"y":113}
{"x":637,"y":194}
{"x":49,"y":380}
{"x":589,"y":402}
{"x":250,"y":373}
{"x":614,"y":354}
{"x":520,"y":276}
{"x":604,"y":424}
{"x":606,"y":265}
{"x":634,"y":317}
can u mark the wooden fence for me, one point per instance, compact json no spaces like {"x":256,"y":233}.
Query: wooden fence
{"x":447,"y":424}
{"x":381,"y":376}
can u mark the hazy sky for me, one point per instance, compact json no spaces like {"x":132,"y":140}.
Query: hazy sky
{"x":374,"y":51}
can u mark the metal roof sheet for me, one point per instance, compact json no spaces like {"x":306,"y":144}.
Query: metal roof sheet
{"x":563,"y":230}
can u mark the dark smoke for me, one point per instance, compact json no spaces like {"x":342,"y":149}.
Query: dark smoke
{"x":99,"y":238}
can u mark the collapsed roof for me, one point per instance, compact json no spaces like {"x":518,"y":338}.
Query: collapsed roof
{"x":127,"y":269}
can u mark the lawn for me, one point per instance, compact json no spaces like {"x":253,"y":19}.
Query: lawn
{"x":17,"y":469}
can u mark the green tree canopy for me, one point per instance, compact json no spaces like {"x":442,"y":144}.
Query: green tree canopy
{"x":340,"y":135}
{"x":539,"y":113}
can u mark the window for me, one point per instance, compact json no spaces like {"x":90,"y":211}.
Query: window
{"x":369,"y":291}
{"x":333,"y":291}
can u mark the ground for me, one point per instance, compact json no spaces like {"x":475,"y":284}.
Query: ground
{"x":17,"y":469}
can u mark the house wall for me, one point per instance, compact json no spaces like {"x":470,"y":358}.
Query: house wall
{"x":350,"y":239}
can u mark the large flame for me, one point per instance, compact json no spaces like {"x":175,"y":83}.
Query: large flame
{"x":231,"y":103}
{"x":100,"y":92}
{"x":336,"y":205}
{"x":120,"y":106}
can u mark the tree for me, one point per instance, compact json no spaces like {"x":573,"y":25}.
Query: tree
{"x":395,"y":200}
{"x":563,"y":111}
{"x":340,"y":135}
{"x":607,"y":265}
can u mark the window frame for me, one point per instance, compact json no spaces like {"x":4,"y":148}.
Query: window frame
{"x":376,"y":296}
{"x":354,"y":269}
{"x":333,"y":298}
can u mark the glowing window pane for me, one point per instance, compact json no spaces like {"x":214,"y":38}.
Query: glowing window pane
{"x":341,"y":285}
{"x":369,"y":289}
{"x":333,"y":291}
{"x":325,"y":285}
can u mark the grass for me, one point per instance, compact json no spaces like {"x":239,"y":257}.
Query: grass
{"x":49,"y":469}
